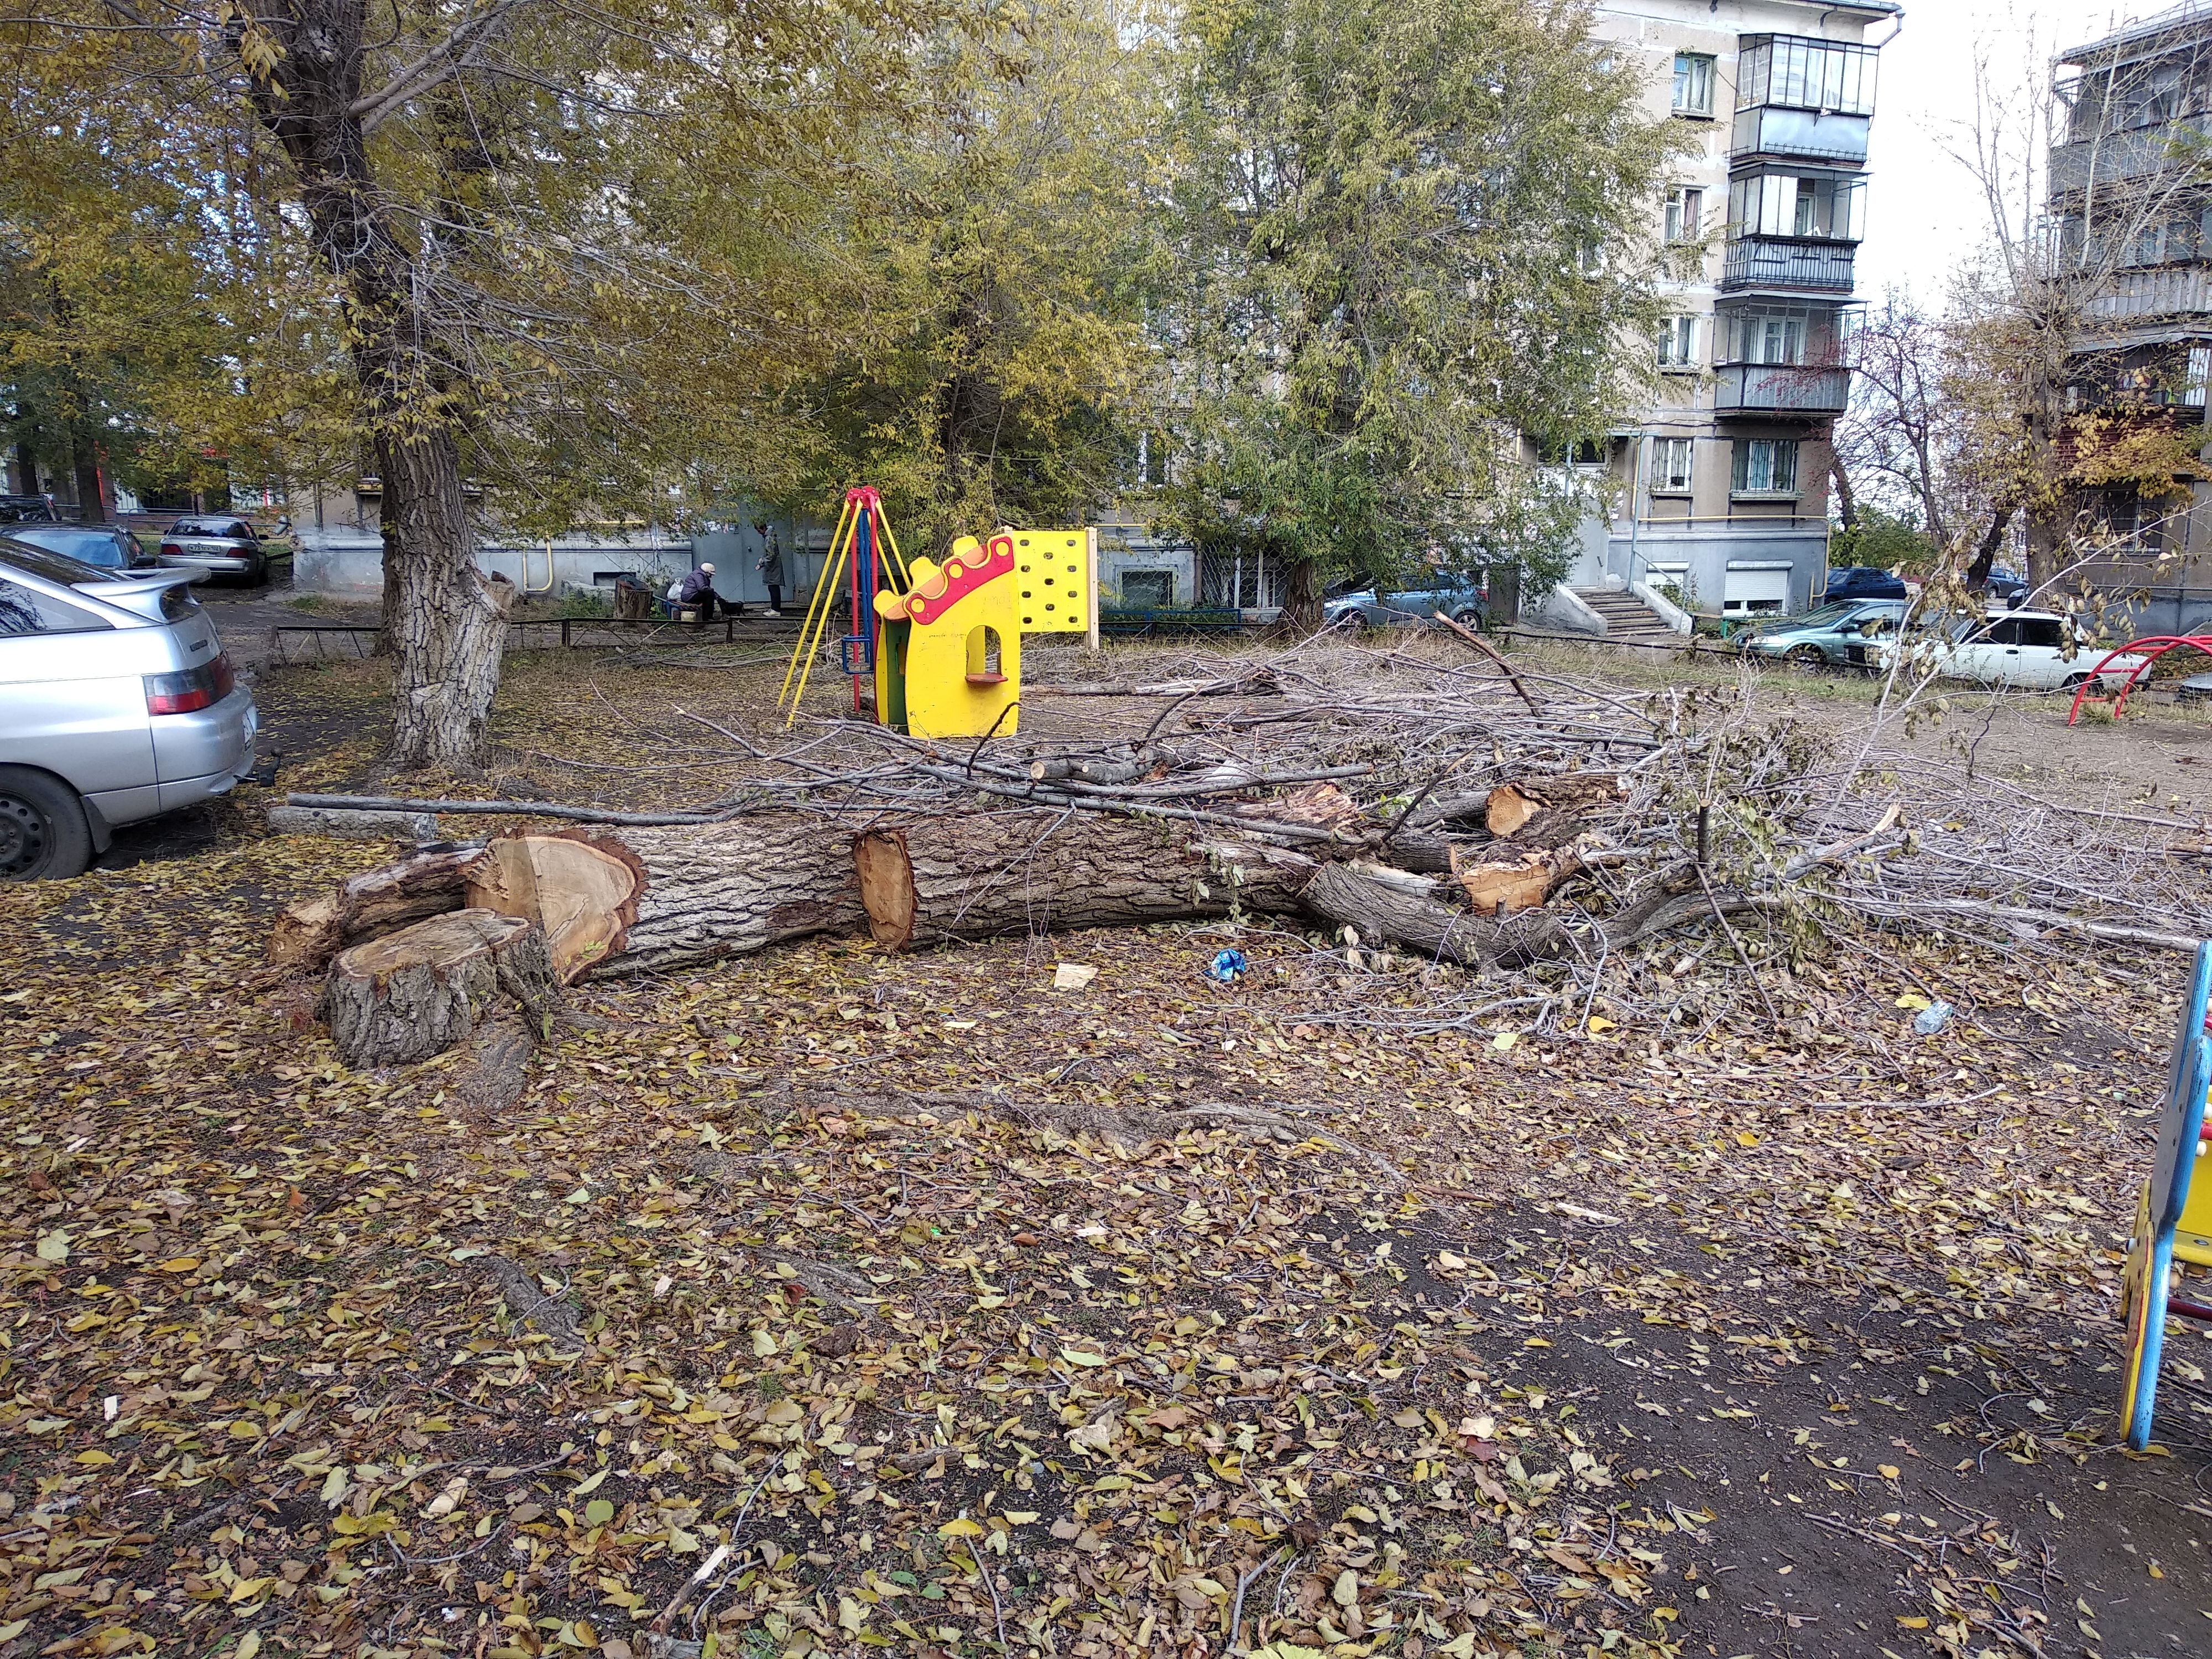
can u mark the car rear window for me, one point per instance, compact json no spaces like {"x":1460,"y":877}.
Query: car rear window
{"x":26,"y":611}
{"x":97,"y":547}
{"x":52,"y":566}
{"x":211,"y":527}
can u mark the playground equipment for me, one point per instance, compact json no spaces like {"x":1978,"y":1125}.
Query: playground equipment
{"x":2173,"y":1218}
{"x":2153,"y":647}
{"x":942,"y":642}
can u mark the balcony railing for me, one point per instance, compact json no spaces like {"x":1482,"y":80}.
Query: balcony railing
{"x":1774,"y":262}
{"x":1780,"y":389}
{"x":1815,"y":135}
{"x":2154,"y":291}
{"x":2118,"y":157}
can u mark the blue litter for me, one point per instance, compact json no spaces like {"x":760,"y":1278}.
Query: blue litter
{"x":1933,"y":1018}
{"x":1225,"y":967}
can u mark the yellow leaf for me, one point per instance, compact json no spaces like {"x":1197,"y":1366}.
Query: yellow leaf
{"x":590,"y":1483}
{"x":1744,"y":1138}
{"x":964,"y":1528}
{"x":94,"y":1459}
{"x":13,"y":1628}
{"x":248,"y":1645}
{"x":1886,"y":1471}
{"x":1913,"y":1000}
{"x":1914,"y":1624}
{"x":1077,"y":1357}
{"x":764,"y":1345}
{"x":1598,"y":1022}
{"x":53,"y":1247}
{"x":244,"y":1429}
{"x":179,"y":1264}
{"x":1504,"y":1040}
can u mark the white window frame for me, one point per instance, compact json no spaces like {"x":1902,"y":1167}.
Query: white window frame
{"x":1678,"y":343}
{"x":1672,"y":466}
{"x":1685,"y":213}
{"x":1695,"y":73}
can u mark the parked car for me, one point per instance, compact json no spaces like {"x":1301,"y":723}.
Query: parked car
{"x":27,"y":509}
{"x":2005,"y":585}
{"x":216,"y":544}
{"x":1466,"y":603}
{"x":2013,"y":650}
{"x":1823,"y":636}
{"x":1863,"y":581}
{"x":117,"y":704}
{"x":108,"y":546}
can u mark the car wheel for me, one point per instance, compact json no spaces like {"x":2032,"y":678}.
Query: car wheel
{"x":2073,"y":682}
{"x":1806,"y":658}
{"x":1467,"y":617}
{"x":42,"y":833}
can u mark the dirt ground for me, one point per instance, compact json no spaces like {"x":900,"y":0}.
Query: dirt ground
{"x":913,"y":1282}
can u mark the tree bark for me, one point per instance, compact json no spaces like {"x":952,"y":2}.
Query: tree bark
{"x":1302,"y":597}
{"x":1385,"y":905}
{"x":1986,"y":555}
{"x":443,"y":619}
{"x":415,"y":992}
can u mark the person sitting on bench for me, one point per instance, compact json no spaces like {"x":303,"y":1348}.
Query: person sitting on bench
{"x":696,"y":592}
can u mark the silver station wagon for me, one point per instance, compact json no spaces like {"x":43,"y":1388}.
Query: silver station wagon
{"x":117,"y":704}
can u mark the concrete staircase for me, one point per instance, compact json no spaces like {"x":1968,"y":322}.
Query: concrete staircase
{"x":1626,"y":617}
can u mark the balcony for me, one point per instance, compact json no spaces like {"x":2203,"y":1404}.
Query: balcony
{"x":1780,"y":389}
{"x":1811,"y":135}
{"x":1775,"y":262}
{"x":2155,"y":292}
{"x":2132,"y":156}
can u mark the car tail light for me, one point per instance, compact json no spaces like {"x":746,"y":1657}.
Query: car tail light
{"x":193,"y":688}
{"x":170,"y":549}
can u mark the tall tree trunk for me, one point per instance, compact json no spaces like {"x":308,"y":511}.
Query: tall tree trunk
{"x":1847,"y":505}
{"x":1986,"y":555}
{"x":84,"y":462}
{"x":445,"y":619}
{"x":1302,"y":596}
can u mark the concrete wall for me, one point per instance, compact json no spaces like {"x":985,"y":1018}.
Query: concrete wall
{"x":1694,"y":562}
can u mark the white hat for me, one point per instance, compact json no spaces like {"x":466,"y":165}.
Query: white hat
{"x":709,"y":568}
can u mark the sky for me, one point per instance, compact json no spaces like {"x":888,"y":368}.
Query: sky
{"x":1925,"y":211}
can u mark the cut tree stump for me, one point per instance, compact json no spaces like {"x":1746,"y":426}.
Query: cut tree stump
{"x":308,"y":934}
{"x":418,"y":992}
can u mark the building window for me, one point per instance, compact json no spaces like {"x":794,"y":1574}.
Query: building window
{"x":2200,"y":374}
{"x":1799,"y":72}
{"x":1685,"y":213}
{"x":1678,"y":343}
{"x":1693,"y":84}
{"x":1765,"y":466}
{"x":1148,"y":590}
{"x":1767,"y":334}
{"x":1787,"y":204}
{"x":1670,"y":466}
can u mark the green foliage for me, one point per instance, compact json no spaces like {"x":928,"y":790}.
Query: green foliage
{"x":1413,"y":233}
{"x":1886,"y":540}
{"x":980,"y":269}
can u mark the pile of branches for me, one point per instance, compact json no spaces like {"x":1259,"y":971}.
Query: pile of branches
{"x":1422,"y":812}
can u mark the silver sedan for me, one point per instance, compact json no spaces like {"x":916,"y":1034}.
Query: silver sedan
{"x":117,"y":704}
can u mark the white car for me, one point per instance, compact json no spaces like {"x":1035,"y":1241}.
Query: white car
{"x":2012,"y":650}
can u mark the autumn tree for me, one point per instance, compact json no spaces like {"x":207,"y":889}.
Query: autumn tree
{"x":987,"y":253}
{"x":502,"y":199}
{"x":1412,"y":234}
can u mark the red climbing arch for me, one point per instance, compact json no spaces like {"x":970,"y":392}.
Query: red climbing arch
{"x":2153,"y":647}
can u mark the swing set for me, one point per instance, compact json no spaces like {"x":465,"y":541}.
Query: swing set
{"x":941,"y":642}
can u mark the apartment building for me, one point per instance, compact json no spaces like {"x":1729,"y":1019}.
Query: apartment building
{"x":1719,"y":495}
{"x":2131,"y":210}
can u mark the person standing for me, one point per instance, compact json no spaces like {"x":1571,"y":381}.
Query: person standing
{"x":771,"y":566}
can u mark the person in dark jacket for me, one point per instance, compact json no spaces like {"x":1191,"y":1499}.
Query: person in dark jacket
{"x":771,"y":566}
{"x":696,"y":592}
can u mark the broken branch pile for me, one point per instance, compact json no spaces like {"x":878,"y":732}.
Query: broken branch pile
{"x":1525,"y":826}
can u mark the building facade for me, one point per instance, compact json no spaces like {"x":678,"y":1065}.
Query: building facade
{"x":1719,"y":496}
{"x":2130,"y":205}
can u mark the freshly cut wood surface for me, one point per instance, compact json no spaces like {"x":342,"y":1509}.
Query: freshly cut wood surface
{"x":886,"y":875}
{"x":580,"y":886}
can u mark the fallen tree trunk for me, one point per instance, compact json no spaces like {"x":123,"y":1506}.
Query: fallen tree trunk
{"x":1389,"y":904}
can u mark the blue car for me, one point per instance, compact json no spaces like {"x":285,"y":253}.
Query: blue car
{"x":1863,"y":581}
{"x":1823,"y":637}
{"x":1465,"y":602}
